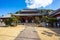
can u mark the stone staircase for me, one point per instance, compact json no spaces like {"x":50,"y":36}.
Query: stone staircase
{"x":30,"y":24}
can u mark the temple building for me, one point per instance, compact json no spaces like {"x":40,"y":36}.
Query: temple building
{"x":29,"y":15}
{"x":56,"y":14}
{"x":25,"y":16}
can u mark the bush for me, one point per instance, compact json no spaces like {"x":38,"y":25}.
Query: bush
{"x":8,"y":21}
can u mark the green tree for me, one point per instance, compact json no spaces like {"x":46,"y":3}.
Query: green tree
{"x":14,"y":20}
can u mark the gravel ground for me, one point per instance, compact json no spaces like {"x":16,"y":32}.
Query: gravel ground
{"x":48,"y":33}
{"x":10,"y":33}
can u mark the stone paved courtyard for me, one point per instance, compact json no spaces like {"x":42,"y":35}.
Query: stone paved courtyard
{"x":29,"y":33}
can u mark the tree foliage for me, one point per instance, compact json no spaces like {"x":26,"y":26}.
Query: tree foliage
{"x":45,"y":11}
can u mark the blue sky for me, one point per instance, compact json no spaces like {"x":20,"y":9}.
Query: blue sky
{"x":7,"y":6}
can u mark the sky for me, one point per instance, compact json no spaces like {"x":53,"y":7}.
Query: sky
{"x":12,"y":6}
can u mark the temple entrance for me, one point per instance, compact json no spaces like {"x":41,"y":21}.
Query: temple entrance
{"x":30,"y":20}
{"x":22,"y":20}
{"x":27,"y":19}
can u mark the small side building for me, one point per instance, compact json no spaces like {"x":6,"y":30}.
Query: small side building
{"x":2,"y":18}
{"x":56,"y":14}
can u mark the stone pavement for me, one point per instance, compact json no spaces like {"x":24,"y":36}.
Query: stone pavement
{"x":29,"y":33}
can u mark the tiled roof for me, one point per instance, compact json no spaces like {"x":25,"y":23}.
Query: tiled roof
{"x":5,"y":16}
{"x":56,"y":12}
{"x":28,"y":14}
{"x":29,"y":10}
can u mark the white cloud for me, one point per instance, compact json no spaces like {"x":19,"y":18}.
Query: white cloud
{"x":38,"y":3}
